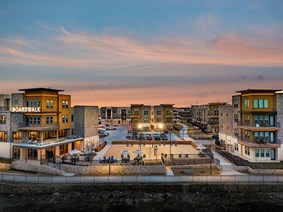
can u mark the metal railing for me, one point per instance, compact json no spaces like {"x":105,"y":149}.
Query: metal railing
{"x":220,"y":179}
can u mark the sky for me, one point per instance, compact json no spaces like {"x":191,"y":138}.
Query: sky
{"x":117,"y":53}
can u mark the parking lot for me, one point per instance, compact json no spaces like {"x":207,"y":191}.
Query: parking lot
{"x":121,"y":134}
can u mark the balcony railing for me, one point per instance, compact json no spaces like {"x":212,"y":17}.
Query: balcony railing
{"x":260,"y":143}
{"x":27,"y":124}
{"x":249,"y":124}
{"x":48,"y":142}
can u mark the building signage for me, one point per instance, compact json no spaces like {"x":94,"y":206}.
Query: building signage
{"x":25,"y":109}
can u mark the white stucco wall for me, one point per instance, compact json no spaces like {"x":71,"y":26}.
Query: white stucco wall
{"x":5,"y":149}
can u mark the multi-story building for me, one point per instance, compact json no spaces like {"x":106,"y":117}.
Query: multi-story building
{"x":253,"y":125}
{"x":207,"y":117}
{"x":182,"y":114}
{"x":36,"y":124}
{"x":115,"y":115}
{"x":147,"y":118}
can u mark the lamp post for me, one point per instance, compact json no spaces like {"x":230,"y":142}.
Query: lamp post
{"x":170,"y":142}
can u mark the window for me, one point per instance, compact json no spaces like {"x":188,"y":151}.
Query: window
{"x":65,"y":104}
{"x":136,"y":111}
{"x":3,"y":119}
{"x":262,"y":137}
{"x":3,"y":136}
{"x":158,"y":119}
{"x":33,"y":103}
{"x":236,"y":118}
{"x":49,"y":119}
{"x":34,"y":120}
{"x":135,"y":120}
{"x":256,"y":153}
{"x":236,"y":133}
{"x":145,"y":112}
{"x":146,"y":120}
{"x":49,"y":103}
{"x":247,"y":134}
{"x":236,"y":103}
{"x":267,"y":153}
{"x":262,"y":153}
{"x":247,"y":150}
{"x":168,"y":111}
{"x":65,"y":119}
{"x":246,"y":103}
{"x":158,"y":112}
{"x":168,"y":120}
{"x":236,"y":147}
{"x":261,"y":103}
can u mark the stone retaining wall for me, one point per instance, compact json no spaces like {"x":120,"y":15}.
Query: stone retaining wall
{"x":36,"y":168}
{"x":100,"y":170}
{"x":115,"y":170}
{"x":259,"y":171}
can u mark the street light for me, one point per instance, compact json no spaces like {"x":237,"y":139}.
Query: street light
{"x":155,"y":151}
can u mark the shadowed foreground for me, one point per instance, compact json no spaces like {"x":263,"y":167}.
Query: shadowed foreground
{"x":18,"y":197}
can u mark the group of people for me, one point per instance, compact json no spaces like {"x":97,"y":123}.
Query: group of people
{"x":108,"y":160}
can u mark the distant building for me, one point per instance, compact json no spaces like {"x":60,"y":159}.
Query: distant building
{"x":252,"y":126}
{"x":206,"y":117}
{"x":182,"y":114}
{"x":115,"y":115}
{"x":147,"y":118}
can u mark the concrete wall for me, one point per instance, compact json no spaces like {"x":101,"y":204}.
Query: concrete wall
{"x":5,"y":149}
{"x":86,"y":123}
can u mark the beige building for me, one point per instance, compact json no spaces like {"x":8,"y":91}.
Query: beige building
{"x":152,"y":118}
{"x":251,"y":127}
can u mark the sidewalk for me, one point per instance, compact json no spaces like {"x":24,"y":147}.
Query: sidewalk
{"x":102,"y":152}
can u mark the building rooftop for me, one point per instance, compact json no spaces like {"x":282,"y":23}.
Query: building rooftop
{"x":259,"y":90}
{"x":34,"y":89}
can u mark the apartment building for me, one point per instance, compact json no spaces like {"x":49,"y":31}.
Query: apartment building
{"x":206,"y":117}
{"x":252,"y":126}
{"x":37,"y":123}
{"x":152,"y":118}
{"x":115,"y":115}
{"x":182,"y":114}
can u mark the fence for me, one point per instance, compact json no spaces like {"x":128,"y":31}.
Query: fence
{"x":221,"y":179}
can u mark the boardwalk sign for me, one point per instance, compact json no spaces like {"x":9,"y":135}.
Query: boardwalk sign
{"x":26,"y":109}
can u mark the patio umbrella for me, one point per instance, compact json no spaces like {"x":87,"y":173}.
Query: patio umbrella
{"x":138,"y":152}
{"x":125,"y":152}
{"x":74,"y":152}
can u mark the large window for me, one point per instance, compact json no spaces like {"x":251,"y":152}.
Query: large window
{"x":145,"y":112}
{"x":33,"y":103}
{"x":158,"y":112}
{"x":246,"y":103}
{"x":261,"y":103}
{"x":3,"y":136}
{"x":65,"y":104}
{"x":247,"y":150}
{"x":3,"y":119}
{"x":264,"y":120}
{"x":49,"y":103}
{"x":168,"y":120}
{"x":34,"y":119}
{"x":262,"y":137}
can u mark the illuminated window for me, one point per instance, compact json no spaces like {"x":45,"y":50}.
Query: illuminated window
{"x":65,"y":104}
{"x":49,"y":104}
{"x":65,"y":119}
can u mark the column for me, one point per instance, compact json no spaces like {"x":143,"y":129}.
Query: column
{"x":57,"y":150}
{"x":23,"y":154}
{"x":41,"y":136}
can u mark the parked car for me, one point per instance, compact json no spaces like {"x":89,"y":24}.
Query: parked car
{"x":164,"y":137}
{"x":142,"y":136}
{"x":110,"y":127}
{"x":148,"y":137}
{"x":156,"y":137}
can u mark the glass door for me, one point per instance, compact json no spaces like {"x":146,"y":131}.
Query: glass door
{"x":272,"y":154}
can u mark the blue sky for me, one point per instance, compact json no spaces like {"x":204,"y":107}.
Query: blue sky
{"x":124,"y":52}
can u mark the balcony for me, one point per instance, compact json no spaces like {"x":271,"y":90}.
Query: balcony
{"x":260,"y":143}
{"x":40,"y":126}
{"x":35,"y":144}
{"x":259,"y":127}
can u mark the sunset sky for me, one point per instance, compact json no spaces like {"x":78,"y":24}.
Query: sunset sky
{"x":122,"y":52}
